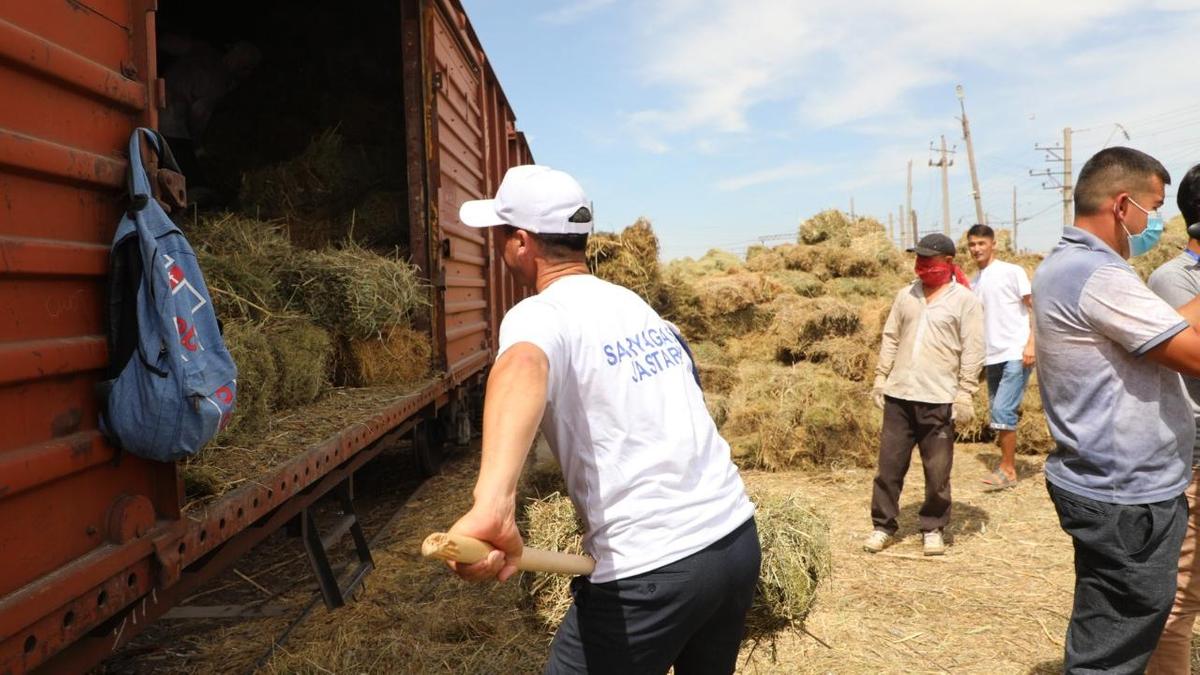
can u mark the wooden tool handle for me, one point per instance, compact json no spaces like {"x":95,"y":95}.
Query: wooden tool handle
{"x":464,"y":549}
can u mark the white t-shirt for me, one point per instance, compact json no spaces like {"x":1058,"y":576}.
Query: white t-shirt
{"x":645,"y":467}
{"x":1002,"y":287}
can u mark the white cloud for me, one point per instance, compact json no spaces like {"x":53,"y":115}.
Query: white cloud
{"x":572,"y":12}
{"x":771,"y":175}
{"x":837,"y":62}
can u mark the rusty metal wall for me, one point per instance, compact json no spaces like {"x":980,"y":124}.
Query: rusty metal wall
{"x":461,"y":173}
{"x":76,"y":78}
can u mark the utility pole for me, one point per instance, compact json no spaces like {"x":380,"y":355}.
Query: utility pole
{"x":1016,"y":247}
{"x":1059,"y":153}
{"x":944,"y":163}
{"x":903,"y":234}
{"x":908,"y":212}
{"x":852,"y":218}
{"x":891,"y":230}
{"x":916,"y":235}
{"x":980,"y":216}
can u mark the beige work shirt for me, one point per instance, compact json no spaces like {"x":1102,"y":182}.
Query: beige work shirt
{"x":932,"y":351}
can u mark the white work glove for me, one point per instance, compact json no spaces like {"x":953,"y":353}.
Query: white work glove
{"x":877,"y":391}
{"x":963,"y":410}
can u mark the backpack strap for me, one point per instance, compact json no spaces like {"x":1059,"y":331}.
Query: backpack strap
{"x":140,"y":191}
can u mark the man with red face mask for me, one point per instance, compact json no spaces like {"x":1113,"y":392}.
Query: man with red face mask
{"x":928,"y":371}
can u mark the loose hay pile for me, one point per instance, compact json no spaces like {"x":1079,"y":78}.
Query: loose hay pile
{"x":818,"y":305}
{"x":795,"y":549}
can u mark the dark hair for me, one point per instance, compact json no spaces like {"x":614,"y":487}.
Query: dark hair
{"x":1189,"y":196}
{"x":556,"y":246}
{"x":1114,"y":170}
{"x":981,"y":230}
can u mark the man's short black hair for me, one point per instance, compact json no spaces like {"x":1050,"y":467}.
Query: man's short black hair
{"x":1189,"y":196}
{"x":981,"y":230}
{"x":1115,"y":170}
{"x":557,"y":246}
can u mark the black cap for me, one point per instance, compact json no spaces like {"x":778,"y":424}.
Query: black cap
{"x":934,"y":244}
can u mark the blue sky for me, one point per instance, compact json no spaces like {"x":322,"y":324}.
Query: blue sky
{"x":723,"y":121}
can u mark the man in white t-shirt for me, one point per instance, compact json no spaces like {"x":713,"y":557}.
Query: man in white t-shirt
{"x":614,"y":390}
{"x":1004,"y":290}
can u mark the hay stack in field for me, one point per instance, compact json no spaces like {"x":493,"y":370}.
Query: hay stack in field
{"x":759,"y":258}
{"x":801,"y":415}
{"x":1033,"y":433}
{"x":399,"y":356}
{"x":798,"y":326}
{"x":801,"y":283}
{"x":628,"y":259}
{"x":714,"y":262}
{"x":258,"y":377}
{"x":796,"y":557}
{"x":737,"y":303}
{"x":356,"y":292}
{"x":303,"y":356}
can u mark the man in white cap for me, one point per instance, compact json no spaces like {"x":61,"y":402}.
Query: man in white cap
{"x":613,"y":388}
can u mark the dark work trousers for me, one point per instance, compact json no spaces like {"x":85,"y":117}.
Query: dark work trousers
{"x":690,"y":613}
{"x":1126,"y":559}
{"x":929,"y":427}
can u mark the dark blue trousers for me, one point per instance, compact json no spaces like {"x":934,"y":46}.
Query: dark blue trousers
{"x":1126,"y":560}
{"x":690,"y":614}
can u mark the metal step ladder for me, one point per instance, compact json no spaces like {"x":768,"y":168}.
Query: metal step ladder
{"x":334,"y":588}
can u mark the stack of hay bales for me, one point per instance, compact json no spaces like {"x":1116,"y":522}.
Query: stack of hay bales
{"x":298,"y":322}
{"x":787,"y":338}
{"x":795,"y":547}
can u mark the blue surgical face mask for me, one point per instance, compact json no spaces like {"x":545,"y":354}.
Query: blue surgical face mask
{"x":1145,"y":240}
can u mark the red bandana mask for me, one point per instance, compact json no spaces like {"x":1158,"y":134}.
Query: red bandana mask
{"x":934,"y":273}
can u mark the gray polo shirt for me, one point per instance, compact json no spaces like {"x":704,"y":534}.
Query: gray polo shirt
{"x":1122,"y":424}
{"x":1178,"y":282}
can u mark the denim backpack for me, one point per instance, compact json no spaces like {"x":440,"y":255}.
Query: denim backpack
{"x":172,"y":382}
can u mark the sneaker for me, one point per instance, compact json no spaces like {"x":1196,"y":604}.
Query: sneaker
{"x":934,"y":544}
{"x":878,"y":541}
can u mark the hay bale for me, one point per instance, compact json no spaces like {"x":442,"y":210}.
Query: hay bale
{"x":857,"y":290}
{"x":1033,"y":432}
{"x":796,"y":557}
{"x":257,"y":380}
{"x":379,"y":221}
{"x":801,"y":283}
{"x":400,"y":356}
{"x":303,"y":355}
{"x":553,"y":525}
{"x":679,"y":303}
{"x":824,"y":226}
{"x":799,"y":326}
{"x":356,"y":292}
{"x":849,"y":357}
{"x":737,"y":303}
{"x":800,"y":415}
{"x":718,"y":407}
{"x":715,"y":261}
{"x":310,"y":188}
{"x":842,"y":262}
{"x":628,"y":259}
{"x":241,"y":259}
{"x":762,"y":259}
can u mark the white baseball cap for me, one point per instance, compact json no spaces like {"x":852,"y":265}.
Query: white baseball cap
{"x":534,"y":198}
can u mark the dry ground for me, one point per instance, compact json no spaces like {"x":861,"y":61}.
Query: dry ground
{"x":997,"y":602}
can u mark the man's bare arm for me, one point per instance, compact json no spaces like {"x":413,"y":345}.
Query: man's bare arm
{"x":512,"y":411}
{"x":1181,"y":352}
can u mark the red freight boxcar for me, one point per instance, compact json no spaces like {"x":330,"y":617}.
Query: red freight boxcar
{"x":93,"y":544}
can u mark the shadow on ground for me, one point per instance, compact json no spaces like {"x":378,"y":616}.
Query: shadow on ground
{"x":1047,"y":668}
{"x":990,"y":460}
{"x":966,"y":521}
